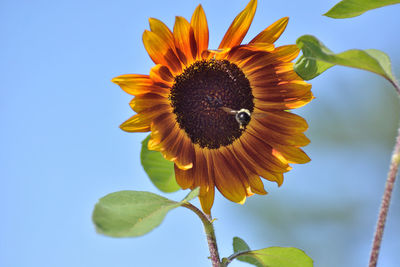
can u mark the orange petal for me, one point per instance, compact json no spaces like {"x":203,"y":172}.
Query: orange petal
{"x":227,"y":180}
{"x":160,"y":52}
{"x":143,"y":102}
{"x":280,"y":55}
{"x":207,"y":196}
{"x":256,"y":184}
{"x":185,"y":156}
{"x":207,"y":200}
{"x":200,"y":30}
{"x":283,"y":122}
{"x":286,"y":53}
{"x":141,"y":122}
{"x":254,"y":163}
{"x":285,"y":153}
{"x":263,"y":153}
{"x":272,"y":33}
{"x":185,"y":41}
{"x":293,"y":154}
{"x":269,"y":90}
{"x":160,"y":29}
{"x":136,"y":123}
{"x":201,"y":171}
{"x":173,"y":143}
{"x":278,"y":72}
{"x":241,"y":53}
{"x":158,"y":137}
{"x":279,"y":91}
{"x":161,"y":74}
{"x":277,"y":177}
{"x":281,"y":103}
{"x":239,"y":27}
{"x":271,"y":136}
{"x":251,"y":181}
{"x":184,"y":178}
{"x":237,"y":168}
{"x":136,"y":84}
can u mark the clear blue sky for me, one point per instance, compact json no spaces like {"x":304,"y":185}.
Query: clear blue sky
{"x":61,"y":148}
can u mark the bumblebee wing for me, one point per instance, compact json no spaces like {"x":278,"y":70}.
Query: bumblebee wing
{"x":229,"y":110}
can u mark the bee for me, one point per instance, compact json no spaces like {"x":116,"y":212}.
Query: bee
{"x":242,"y":116}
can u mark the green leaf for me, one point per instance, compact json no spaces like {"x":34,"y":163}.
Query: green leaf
{"x":130,"y":213}
{"x":317,"y":58}
{"x":160,"y":170}
{"x":353,"y":8}
{"x":133,"y":213}
{"x":277,"y":257}
{"x":281,"y":257}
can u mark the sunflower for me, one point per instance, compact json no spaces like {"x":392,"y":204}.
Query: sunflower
{"x":222,"y":116}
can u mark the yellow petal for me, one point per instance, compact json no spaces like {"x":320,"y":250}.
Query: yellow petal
{"x":293,"y":154}
{"x":286,"y":53}
{"x":239,"y":27}
{"x":159,"y":28}
{"x":200,"y":29}
{"x":272,"y":33}
{"x":136,"y":123}
{"x":135,"y":84}
{"x":142,"y":102}
{"x":141,"y":122}
{"x":207,"y":200}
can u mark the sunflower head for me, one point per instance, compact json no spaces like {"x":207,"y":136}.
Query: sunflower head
{"x":223,"y":115}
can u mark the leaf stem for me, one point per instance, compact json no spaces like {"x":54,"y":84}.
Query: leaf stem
{"x":210,"y":233}
{"x":228,"y":260}
{"x":383,"y":211}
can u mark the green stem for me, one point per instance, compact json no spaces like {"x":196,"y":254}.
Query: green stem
{"x":383,"y":211}
{"x":210,"y":233}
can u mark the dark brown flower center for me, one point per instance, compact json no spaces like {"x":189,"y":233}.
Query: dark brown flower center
{"x":199,"y":94}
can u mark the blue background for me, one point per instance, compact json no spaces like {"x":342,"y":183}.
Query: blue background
{"x":61,"y":148}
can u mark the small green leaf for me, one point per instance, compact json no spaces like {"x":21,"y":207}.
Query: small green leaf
{"x":317,"y":58}
{"x":130,"y":213}
{"x":279,"y":257}
{"x":160,"y":170}
{"x":239,"y":245}
{"x":354,"y":8}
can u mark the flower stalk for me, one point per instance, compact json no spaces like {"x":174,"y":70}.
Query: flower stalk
{"x":210,"y":233}
{"x":385,"y":203}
